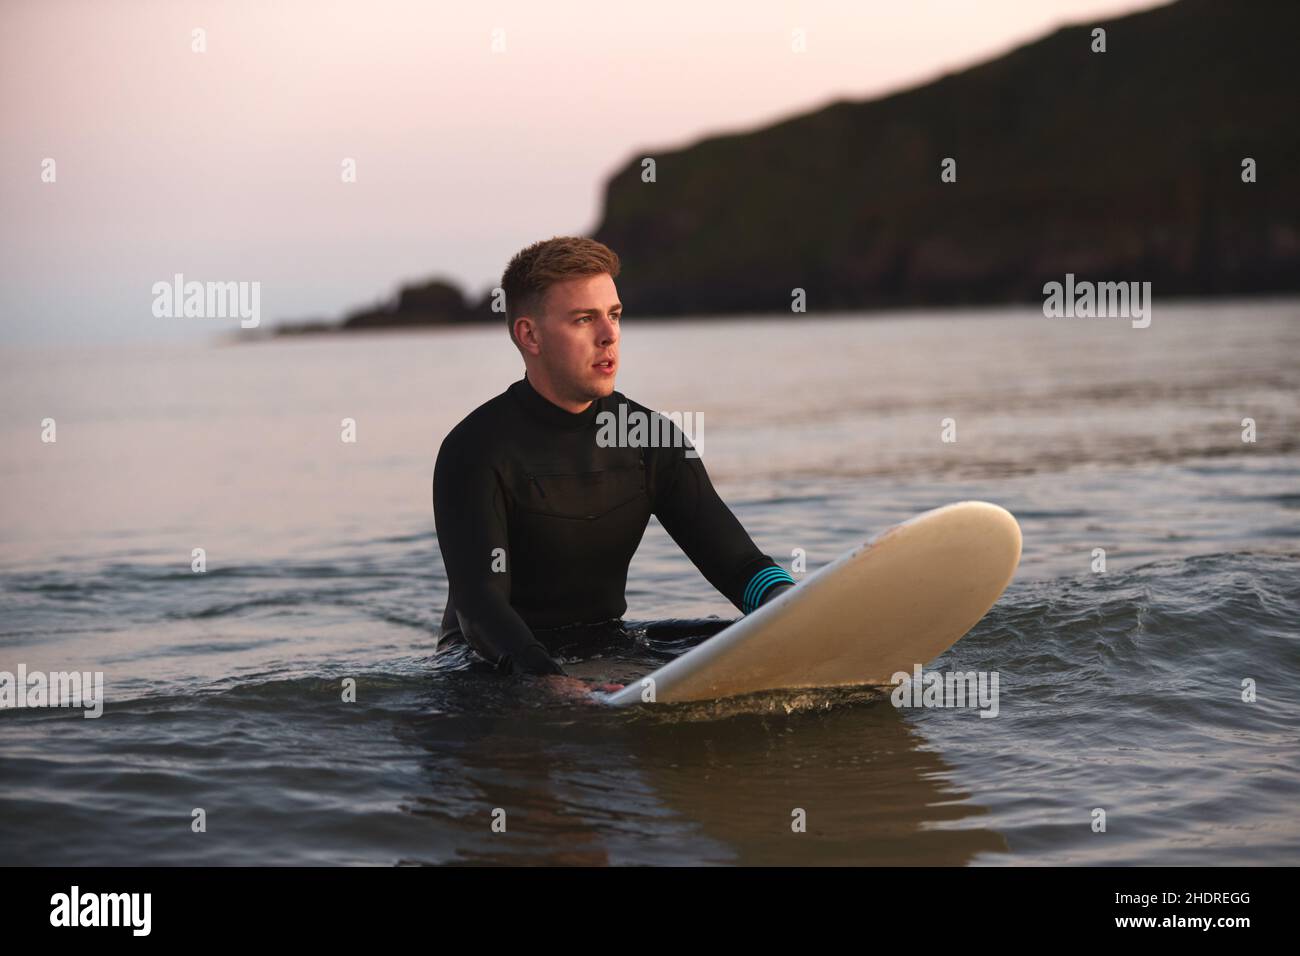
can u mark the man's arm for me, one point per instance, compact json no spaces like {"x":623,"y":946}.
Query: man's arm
{"x":469,"y":511}
{"x":690,"y":510}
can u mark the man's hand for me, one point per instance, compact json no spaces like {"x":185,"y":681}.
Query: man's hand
{"x":573,"y":688}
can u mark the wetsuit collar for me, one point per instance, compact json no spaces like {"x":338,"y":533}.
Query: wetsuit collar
{"x":546,"y":411}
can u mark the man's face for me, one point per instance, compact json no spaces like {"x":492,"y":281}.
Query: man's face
{"x":573,"y":347}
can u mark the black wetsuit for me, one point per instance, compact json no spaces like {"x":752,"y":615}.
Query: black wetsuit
{"x":538,"y":523}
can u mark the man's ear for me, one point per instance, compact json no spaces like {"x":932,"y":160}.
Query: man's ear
{"x":526,"y":335}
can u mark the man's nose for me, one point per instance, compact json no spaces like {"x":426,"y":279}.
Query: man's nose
{"x":608,"y":331}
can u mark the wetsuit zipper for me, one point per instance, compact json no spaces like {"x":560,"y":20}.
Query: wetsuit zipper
{"x":542,"y":491}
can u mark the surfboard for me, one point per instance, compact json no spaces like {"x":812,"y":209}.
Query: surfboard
{"x":901,"y":598}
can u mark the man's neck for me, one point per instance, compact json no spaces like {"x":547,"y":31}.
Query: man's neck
{"x":547,"y":391}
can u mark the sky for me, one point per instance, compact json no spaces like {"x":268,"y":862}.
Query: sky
{"x":475,"y":129}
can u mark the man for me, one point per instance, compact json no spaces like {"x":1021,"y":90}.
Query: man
{"x":537,"y":520}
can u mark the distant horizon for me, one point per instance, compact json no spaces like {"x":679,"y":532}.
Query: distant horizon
{"x":267,"y":334}
{"x":149,"y":182}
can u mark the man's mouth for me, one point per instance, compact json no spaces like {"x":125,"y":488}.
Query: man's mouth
{"x":605,"y":365}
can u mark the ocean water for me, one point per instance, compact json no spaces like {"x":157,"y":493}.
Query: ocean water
{"x":1120,"y":690}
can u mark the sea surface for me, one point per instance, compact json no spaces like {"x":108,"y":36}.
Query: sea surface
{"x":1163,"y":690}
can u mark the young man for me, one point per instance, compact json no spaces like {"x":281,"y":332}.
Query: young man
{"x":537,"y":519}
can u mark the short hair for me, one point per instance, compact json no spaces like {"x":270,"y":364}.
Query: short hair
{"x":534,"y":270}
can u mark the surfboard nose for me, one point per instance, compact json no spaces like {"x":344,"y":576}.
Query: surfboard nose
{"x":1001,"y":527}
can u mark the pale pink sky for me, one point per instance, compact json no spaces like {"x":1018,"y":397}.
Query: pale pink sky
{"x":225,"y":165}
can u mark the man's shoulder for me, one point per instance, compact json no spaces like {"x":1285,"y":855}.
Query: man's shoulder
{"x":476,"y":430}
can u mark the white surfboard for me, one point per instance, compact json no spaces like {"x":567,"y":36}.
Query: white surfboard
{"x":901,"y":599}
